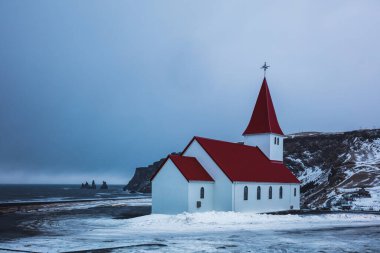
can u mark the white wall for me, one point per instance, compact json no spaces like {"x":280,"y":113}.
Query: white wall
{"x":169,"y":191}
{"x":295,"y":200}
{"x":265,"y":204}
{"x":222,"y":185}
{"x":266,"y":143}
{"x":194,"y":196}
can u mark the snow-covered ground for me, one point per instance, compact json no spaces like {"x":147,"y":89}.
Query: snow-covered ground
{"x":209,"y":232}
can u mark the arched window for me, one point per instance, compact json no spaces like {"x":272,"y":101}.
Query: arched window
{"x":270,"y":192}
{"x":258,"y":192}
{"x":295,"y":192}
{"x":202,"y":193}
{"x":280,"y":193}
{"x":245,"y":192}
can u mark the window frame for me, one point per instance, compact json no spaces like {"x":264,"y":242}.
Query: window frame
{"x":202,"y":193}
{"x":245,"y":193}
{"x":258,"y":193}
{"x":270,"y":191}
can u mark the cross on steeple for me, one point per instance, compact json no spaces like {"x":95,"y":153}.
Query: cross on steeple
{"x":265,"y":67}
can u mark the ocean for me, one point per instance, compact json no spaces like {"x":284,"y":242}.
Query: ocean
{"x":65,"y":218}
{"x":25,"y":193}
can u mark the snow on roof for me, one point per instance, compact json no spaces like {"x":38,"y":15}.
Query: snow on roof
{"x":263,"y":119}
{"x":245,"y":163}
{"x":189,"y":167}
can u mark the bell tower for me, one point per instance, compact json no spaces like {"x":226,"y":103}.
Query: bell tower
{"x":263,"y":129}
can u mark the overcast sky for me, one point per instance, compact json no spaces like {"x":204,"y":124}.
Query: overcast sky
{"x":93,"y":89}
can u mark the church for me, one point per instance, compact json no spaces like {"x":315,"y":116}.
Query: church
{"x":247,"y":176}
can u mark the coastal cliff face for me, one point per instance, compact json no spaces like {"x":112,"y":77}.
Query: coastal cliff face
{"x":337,"y":170}
{"x":140,"y":181}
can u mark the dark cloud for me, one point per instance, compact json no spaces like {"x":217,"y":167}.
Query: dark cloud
{"x":97,"y":88}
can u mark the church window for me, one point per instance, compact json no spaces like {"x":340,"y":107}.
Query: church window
{"x":280,"y":193}
{"x":258,"y":192}
{"x":295,"y":192}
{"x":270,"y":192}
{"x":202,"y":193}
{"x":245,"y":192}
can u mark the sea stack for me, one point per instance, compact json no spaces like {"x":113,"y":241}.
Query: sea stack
{"x":93,"y":185}
{"x":104,"y":186}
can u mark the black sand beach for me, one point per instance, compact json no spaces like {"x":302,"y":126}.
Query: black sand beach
{"x":24,"y":219}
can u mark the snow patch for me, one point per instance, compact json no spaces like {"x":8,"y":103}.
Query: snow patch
{"x":222,"y":221}
{"x":311,"y":174}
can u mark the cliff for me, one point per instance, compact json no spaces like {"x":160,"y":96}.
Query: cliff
{"x":140,"y":181}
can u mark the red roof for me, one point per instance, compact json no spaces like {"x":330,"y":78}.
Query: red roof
{"x":263,"y":119}
{"x":189,"y":167}
{"x":244,"y":163}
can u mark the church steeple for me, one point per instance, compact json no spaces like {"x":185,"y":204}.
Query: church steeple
{"x":263,"y":130}
{"x":263,"y":119}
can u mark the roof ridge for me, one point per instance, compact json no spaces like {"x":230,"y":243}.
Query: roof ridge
{"x":267,"y":102}
{"x":243,"y":162}
{"x":229,"y":142}
{"x":184,"y":156}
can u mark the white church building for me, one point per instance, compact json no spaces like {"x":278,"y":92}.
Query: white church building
{"x":217,"y":175}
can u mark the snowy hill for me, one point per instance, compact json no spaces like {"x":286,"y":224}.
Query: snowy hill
{"x":337,"y":170}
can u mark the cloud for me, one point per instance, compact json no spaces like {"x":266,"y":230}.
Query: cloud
{"x":96,"y":87}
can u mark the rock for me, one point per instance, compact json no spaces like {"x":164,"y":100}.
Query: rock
{"x":85,"y":186}
{"x":104,"y":186}
{"x":93,"y":185}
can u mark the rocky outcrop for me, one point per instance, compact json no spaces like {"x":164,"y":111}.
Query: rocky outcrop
{"x":337,"y":170}
{"x":87,"y":186}
{"x":140,"y":181}
{"x":104,"y":186}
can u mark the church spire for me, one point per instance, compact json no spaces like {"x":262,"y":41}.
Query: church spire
{"x":263,"y":119}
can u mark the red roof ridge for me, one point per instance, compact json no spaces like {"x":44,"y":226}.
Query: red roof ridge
{"x":229,"y":142}
{"x":243,"y":162}
{"x":188,"y":166}
{"x":205,"y":138}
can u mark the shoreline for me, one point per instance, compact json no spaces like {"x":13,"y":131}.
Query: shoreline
{"x":24,"y":220}
{"x":26,"y":203}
